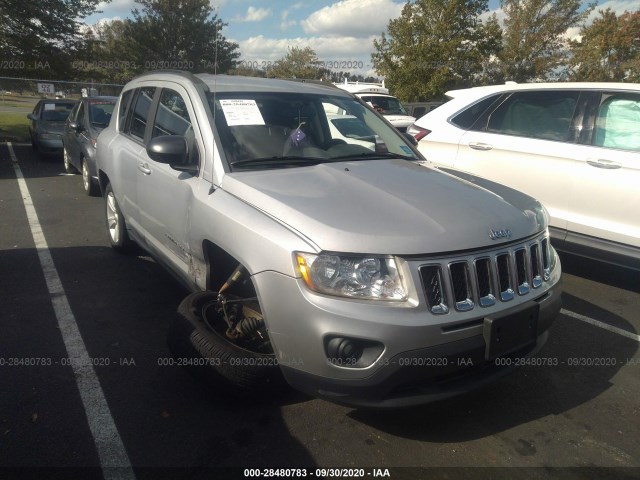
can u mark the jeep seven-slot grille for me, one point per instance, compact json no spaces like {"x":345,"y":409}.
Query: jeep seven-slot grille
{"x":463,"y":283}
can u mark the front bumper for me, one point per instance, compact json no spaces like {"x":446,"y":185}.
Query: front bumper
{"x":53,"y":146}
{"x":429,"y":374}
{"x":417,"y":356}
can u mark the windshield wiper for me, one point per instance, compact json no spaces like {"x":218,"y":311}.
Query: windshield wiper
{"x":373,"y":155}
{"x":275,"y":162}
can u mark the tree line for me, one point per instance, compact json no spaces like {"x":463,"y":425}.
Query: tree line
{"x":433,"y":46}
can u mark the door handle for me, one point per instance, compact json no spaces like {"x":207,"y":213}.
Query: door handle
{"x":144,"y":168}
{"x":480,"y":146}
{"x":606,"y":164}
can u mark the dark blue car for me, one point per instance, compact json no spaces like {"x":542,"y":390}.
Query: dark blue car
{"x":89,"y":117}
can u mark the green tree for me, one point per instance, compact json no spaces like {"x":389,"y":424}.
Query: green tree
{"x":182,"y":34}
{"x":608,"y":50}
{"x":297,"y":63}
{"x":42,"y":36}
{"x":433,"y":46}
{"x":533,"y":43}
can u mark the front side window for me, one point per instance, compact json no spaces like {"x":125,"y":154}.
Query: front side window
{"x":172,"y":118}
{"x":618,"y":122}
{"x":140,"y":112}
{"x":81,"y":114}
{"x":279,"y":130}
{"x":100,"y":112}
{"x":544,"y":115}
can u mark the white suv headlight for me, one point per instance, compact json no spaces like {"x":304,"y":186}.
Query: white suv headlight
{"x":367,"y":277}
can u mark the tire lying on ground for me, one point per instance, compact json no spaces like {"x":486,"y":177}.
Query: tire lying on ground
{"x":211,"y":356}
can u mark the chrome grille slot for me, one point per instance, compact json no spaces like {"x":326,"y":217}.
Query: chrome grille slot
{"x":545,"y":258}
{"x":536,"y":266}
{"x":461,"y":282}
{"x":483,"y":276}
{"x":486,"y":278}
{"x":434,"y":289}
{"x":522,"y":278}
{"x":504,"y":277}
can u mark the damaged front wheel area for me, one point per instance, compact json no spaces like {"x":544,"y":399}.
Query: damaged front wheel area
{"x":223,"y":336}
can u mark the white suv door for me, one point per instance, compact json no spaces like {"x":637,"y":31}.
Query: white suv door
{"x":522,"y":143}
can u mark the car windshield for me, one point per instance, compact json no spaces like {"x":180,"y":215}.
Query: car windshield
{"x":56,"y":111}
{"x":279,"y":129}
{"x":385,"y":105}
{"x":100,"y":113}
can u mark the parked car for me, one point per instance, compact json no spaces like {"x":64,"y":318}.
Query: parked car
{"x":46,"y":125}
{"x":89,"y":117}
{"x":573,"y":146}
{"x":376,"y":95}
{"x":419,"y":109}
{"x":350,"y":271}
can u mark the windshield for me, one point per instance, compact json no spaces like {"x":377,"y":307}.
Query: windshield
{"x":56,"y":111}
{"x":277,"y":130}
{"x":100,"y":113}
{"x":385,"y":105}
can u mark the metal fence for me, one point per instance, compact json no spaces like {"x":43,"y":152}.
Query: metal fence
{"x":51,"y":88}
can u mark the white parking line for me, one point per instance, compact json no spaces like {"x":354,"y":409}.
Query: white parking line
{"x":114,"y":460}
{"x":597,"y":323}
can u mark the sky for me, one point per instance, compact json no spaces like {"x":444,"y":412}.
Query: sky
{"x":340,"y":32}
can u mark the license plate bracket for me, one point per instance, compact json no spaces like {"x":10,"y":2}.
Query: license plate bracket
{"x":508,"y":332}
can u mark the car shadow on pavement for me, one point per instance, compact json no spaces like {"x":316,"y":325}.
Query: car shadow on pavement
{"x":583,"y":361}
{"x":171,"y":425}
{"x":613,"y":275}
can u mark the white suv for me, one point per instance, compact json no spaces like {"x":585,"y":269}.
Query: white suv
{"x":573,"y":146}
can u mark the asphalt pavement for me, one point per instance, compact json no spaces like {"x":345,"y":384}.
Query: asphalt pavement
{"x":574,"y":415}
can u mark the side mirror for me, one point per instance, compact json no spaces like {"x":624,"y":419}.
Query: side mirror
{"x":411,"y":139}
{"x":75,"y":126}
{"x":31,"y":116}
{"x":171,"y":150}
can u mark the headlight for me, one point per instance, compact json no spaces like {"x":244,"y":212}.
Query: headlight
{"x":367,"y":277}
{"x":541,"y":215}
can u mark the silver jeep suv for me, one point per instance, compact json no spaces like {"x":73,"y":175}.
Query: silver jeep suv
{"x":332,"y":261}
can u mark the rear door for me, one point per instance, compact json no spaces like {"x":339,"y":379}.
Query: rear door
{"x":135,"y":109}
{"x":527,"y":142}
{"x":606,"y":202}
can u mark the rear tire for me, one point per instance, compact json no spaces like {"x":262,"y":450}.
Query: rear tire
{"x":116,"y":226}
{"x":215,"y":358}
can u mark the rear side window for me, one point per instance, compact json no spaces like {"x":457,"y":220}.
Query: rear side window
{"x":139,"y":112}
{"x":122,"y":109}
{"x":470,"y":115}
{"x":618,"y":122}
{"x":545,"y":115}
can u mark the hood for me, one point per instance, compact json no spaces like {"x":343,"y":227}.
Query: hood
{"x":51,"y":127}
{"x":384,"y":207}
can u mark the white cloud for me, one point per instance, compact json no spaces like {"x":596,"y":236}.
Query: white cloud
{"x":285,"y":23}
{"x":254,"y":15}
{"x":360,"y":18}
{"x":346,"y":53}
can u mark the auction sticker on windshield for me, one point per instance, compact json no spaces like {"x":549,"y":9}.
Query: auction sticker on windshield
{"x":241,"y":112}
